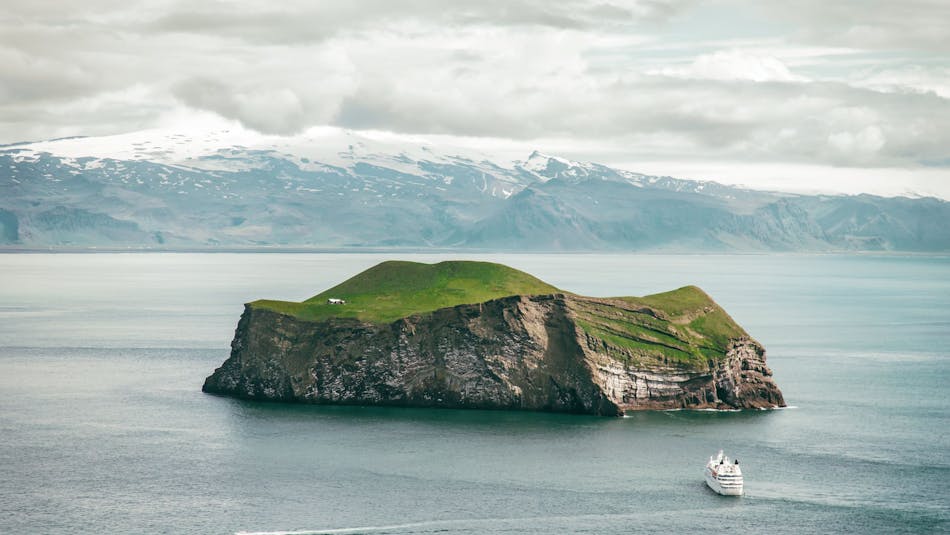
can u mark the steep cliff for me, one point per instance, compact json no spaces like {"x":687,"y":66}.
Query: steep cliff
{"x":554,"y":351}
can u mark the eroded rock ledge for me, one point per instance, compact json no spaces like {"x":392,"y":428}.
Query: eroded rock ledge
{"x":521,"y":352}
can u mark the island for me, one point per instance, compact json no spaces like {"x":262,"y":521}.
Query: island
{"x":480,"y":335}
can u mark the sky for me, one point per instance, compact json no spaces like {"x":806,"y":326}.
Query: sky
{"x":810,"y":95}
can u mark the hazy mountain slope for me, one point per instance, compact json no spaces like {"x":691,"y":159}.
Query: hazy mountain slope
{"x":275,"y":201}
{"x":867,"y":222}
{"x":600,"y":214}
{"x":157,"y":190}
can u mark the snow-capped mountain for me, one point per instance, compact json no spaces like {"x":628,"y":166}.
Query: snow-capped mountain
{"x":333,"y":188}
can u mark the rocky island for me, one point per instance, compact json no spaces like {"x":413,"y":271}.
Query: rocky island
{"x":480,"y":335}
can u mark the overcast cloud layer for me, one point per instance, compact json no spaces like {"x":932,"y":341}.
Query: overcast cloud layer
{"x":861,"y":84}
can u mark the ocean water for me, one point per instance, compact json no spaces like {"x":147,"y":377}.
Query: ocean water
{"x":104,"y":429}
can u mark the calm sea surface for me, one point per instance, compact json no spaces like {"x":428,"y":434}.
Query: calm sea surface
{"x":104,"y":429}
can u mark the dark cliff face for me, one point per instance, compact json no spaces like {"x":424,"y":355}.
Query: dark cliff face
{"x":519,"y":352}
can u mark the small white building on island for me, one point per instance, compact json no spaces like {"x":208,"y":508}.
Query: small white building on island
{"x":335,"y":301}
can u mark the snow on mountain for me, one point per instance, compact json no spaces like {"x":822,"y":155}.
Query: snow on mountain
{"x":228,"y":147}
{"x":545,"y":167}
{"x":326,"y":145}
{"x":541,"y":165}
{"x":235,"y":149}
{"x":329,"y":187}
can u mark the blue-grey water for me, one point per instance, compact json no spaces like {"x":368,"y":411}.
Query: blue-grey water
{"x":103,"y":428}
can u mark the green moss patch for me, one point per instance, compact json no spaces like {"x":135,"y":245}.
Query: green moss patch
{"x":683,"y":326}
{"x":396,"y":289}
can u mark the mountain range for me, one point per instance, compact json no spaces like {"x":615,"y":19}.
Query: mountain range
{"x":338,"y":189}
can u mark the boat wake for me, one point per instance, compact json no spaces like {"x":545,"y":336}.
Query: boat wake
{"x":362,"y":529}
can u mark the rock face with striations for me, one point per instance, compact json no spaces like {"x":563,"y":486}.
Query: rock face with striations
{"x":393,"y":343}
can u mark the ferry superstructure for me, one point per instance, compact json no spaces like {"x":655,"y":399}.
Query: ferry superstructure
{"x":724,"y":475}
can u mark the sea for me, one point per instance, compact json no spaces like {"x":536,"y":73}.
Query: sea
{"x":104,"y":428}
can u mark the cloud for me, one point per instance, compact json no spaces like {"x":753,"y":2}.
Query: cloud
{"x":259,"y":92}
{"x":723,"y":114}
{"x":265,"y":110}
{"x":733,"y":65}
{"x":905,"y":78}
{"x":868,"y":24}
{"x":276,"y":68}
{"x":37,"y":78}
{"x":656,"y":79}
{"x":868,"y":140}
{"x":303,"y":21}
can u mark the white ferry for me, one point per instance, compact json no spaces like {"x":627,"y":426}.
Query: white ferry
{"x":724,"y":475}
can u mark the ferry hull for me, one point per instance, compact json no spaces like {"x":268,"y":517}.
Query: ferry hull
{"x":716,"y":486}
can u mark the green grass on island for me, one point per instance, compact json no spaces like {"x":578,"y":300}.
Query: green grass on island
{"x":683,"y":325}
{"x":396,"y":289}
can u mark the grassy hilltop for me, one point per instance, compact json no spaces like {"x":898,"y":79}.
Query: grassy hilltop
{"x":683,"y":325}
{"x":396,"y":289}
